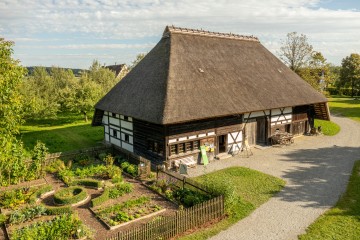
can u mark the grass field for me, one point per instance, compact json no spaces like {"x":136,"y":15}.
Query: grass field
{"x":328,"y":128}
{"x":347,"y":107}
{"x":252,"y":189}
{"x":67,"y":132}
{"x":342,"y":222}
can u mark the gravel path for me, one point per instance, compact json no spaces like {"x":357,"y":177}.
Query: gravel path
{"x":316,"y":170}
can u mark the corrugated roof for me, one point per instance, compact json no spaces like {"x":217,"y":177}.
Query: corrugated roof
{"x":195,"y":74}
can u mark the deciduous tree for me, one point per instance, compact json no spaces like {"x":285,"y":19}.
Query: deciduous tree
{"x":350,"y":72}
{"x":295,"y":51}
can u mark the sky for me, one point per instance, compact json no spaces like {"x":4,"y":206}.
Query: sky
{"x":73,"y":33}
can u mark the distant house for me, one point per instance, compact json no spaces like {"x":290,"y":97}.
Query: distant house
{"x":119,"y":69}
{"x":205,"y":88}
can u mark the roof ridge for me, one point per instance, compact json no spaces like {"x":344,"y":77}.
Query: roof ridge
{"x":173,"y":29}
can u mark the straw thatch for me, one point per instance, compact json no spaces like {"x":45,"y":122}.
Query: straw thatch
{"x":194,"y":74}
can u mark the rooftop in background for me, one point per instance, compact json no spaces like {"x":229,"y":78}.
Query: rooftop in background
{"x":117,"y":68}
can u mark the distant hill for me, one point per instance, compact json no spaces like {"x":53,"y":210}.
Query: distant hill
{"x":76,"y":71}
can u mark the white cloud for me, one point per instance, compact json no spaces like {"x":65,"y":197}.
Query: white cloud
{"x":134,"y":20}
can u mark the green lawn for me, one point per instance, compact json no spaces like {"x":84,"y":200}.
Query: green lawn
{"x":67,"y":132}
{"x":343,"y":220}
{"x":328,"y":128}
{"x":347,"y":107}
{"x":252,"y":188}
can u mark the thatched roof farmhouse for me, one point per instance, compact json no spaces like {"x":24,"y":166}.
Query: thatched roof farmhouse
{"x":197,"y":87}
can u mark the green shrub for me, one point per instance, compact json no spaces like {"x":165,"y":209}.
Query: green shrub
{"x":102,"y":156}
{"x":124,"y":165}
{"x":3,"y":219}
{"x":188,"y":197}
{"x":120,"y":189}
{"x":58,"y":210}
{"x":132,"y":170}
{"x":55,"y":166}
{"x":223,"y":187}
{"x":109,"y":160}
{"x":113,"y":172}
{"x":67,"y":176}
{"x":70,"y":195}
{"x":101,"y":199}
{"x":88,"y":183}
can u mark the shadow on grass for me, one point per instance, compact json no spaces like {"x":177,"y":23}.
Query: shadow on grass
{"x":64,"y":139}
{"x":320,"y":176}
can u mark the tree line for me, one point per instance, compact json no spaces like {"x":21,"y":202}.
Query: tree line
{"x":299,"y":55}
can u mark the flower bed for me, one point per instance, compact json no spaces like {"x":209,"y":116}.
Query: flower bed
{"x":113,"y":192}
{"x":127,"y":211}
{"x":70,"y":195}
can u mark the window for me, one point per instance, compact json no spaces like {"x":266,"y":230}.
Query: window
{"x":181,"y":148}
{"x":196,"y":145}
{"x":127,"y":138}
{"x":113,"y":114}
{"x":114,"y":133}
{"x":155,"y":147}
{"x":173,"y":149}
{"x":126,"y":118}
{"x":188,"y":146}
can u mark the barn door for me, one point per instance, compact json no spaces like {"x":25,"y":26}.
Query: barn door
{"x":260,"y":130}
{"x":250,"y":132}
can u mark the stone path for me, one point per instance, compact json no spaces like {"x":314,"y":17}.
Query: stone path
{"x":316,"y":170}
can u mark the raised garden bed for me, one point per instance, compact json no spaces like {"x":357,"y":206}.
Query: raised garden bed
{"x":116,"y":215}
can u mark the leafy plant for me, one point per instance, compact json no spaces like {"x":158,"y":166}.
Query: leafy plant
{"x":55,"y":166}
{"x":64,"y":227}
{"x":27,"y":214}
{"x":109,"y":160}
{"x":58,"y":210}
{"x":124,"y":165}
{"x":3,"y":219}
{"x":120,"y":189}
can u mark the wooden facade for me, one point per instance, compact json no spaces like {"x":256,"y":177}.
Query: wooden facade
{"x":168,"y":143}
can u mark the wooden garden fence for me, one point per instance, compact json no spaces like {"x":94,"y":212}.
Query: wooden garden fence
{"x":167,"y":227}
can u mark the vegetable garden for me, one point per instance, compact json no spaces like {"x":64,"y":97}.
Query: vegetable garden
{"x":104,"y":192}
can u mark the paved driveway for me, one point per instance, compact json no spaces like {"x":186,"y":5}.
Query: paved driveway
{"x":316,"y":171}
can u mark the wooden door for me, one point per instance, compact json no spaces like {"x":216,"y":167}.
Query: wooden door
{"x":261,"y":130}
{"x":250,"y":132}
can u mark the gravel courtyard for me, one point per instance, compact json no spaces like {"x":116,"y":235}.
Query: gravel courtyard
{"x":316,"y":170}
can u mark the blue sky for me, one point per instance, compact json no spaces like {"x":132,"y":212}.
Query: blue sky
{"x":72,"y":33}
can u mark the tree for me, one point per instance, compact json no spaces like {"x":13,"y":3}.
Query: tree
{"x":316,"y":72}
{"x":102,"y":76}
{"x":138,"y":58}
{"x":83,"y":96}
{"x":295,"y":51}
{"x":11,"y":75}
{"x":11,"y":105}
{"x":350,"y":72}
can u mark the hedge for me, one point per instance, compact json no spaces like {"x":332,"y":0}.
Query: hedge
{"x":87,"y":183}
{"x":70,"y":195}
{"x":58,"y":210}
{"x":101,"y":199}
{"x":342,"y":91}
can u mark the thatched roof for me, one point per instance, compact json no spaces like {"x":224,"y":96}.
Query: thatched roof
{"x":195,"y":74}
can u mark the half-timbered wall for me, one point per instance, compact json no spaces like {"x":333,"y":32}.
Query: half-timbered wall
{"x":118,"y":130}
{"x":149,"y":140}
